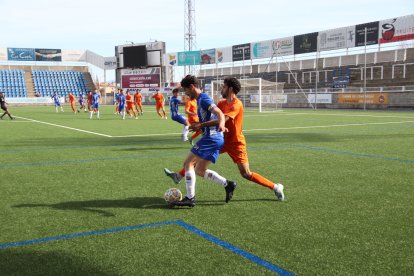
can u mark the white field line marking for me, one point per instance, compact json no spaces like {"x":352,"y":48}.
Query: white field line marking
{"x":66,"y":127}
{"x":342,"y":115}
{"x":15,"y":122}
{"x":345,"y":125}
{"x":147,"y":135}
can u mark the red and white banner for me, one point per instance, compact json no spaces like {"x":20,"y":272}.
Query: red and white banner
{"x":396,"y":29}
{"x":141,"y":78}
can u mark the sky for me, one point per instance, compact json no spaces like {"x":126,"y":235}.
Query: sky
{"x":99,"y":25}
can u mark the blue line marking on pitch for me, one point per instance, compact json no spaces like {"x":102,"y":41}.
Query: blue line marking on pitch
{"x":253,"y":258}
{"x":235,"y":249}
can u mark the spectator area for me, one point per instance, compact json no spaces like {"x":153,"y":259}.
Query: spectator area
{"x":12,"y":83}
{"x":47,"y":82}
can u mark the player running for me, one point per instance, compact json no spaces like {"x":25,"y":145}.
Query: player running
{"x":207,"y":149}
{"x":96,"y":97}
{"x":234,"y":140}
{"x":138,"y":102}
{"x":159,"y":104}
{"x":121,"y":104}
{"x":56,"y":101}
{"x":82,"y":102}
{"x":130,"y":105}
{"x":72,"y":102}
{"x":176,"y":116}
{"x":117,"y":94}
{"x":3,"y":105}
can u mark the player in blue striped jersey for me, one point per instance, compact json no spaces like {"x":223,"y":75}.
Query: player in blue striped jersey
{"x":56,"y":101}
{"x":96,"y":97}
{"x":176,"y":116}
{"x":207,"y":149}
{"x":121,"y":104}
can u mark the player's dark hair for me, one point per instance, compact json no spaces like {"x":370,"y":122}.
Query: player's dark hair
{"x":176,"y":90}
{"x":189,"y":80}
{"x":234,"y":83}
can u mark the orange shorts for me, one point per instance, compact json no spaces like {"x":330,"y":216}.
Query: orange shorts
{"x":192,"y":121}
{"x":237,"y":153}
{"x":129,"y":107}
{"x":159,"y":106}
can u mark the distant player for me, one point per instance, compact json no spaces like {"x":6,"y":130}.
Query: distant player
{"x":207,"y":149}
{"x":234,"y":140}
{"x":138,"y":102}
{"x":72,"y":102}
{"x":191,"y":111}
{"x":56,"y":101}
{"x":121,"y":104}
{"x":3,"y":105}
{"x":82,"y":102}
{"x":117,"y":101}
{"x":96,"y":97}
{"x":130,"y":105}
{"x":176,"y":116}
{"x":159,"y":104}
{"x":89,"y":99}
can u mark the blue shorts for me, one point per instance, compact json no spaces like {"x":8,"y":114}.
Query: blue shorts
{"x":57,"y":103}
{"x":179,"y":118}
{"x":81,"y":102}
{"x":208,"y":148}
{"x":95,"y":105}
{"x":121,"y":107}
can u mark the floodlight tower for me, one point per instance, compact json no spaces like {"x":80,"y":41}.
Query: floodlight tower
{"x":189,"y":32}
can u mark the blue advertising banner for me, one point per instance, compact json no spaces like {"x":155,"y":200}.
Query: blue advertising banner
{"x":48,"y":54}
{"x":21,"y":54}
{"x":188,"y":58}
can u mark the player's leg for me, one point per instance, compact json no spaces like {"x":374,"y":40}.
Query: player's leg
{"x":163,"y":111}
{"x":190,"y":181}
{"x":158,"y":111}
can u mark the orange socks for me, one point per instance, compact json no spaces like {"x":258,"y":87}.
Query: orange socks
{"x":257,"y":178}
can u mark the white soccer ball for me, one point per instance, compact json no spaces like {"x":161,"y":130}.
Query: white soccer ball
{"x":173,"y":195}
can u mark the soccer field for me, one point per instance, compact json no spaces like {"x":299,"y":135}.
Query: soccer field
{"x":85,"y":197}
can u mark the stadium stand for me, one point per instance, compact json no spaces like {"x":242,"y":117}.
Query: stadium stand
{"x":47,"y":82}
{"x":12,"y":83}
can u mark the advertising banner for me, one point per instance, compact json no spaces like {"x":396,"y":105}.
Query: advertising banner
{"x":141,"y":78}
{"x":48,"y":54}
{"x":306,"y":43}
{"x":241,"y":52}
{"x":358,"y":98}
{"x":3,"y":53}
{"x":320,"y":98}
{"x":73,"y":55}
{"x":171,"y":59}
{"x":208,"y":56}
{"x":337,"y":39}
{"x":21,"y":54}
{"x":188,"y":58}
{"x":266,"y":99}
{"x":372,"y":33}
{"x":224,"y":55}
{"x":261,"y":49}
{"x":396,"y":29}
{"x":283,"y":46}
{"x":109,"y":63}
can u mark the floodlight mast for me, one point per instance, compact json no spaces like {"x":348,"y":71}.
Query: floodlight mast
{"x":190,"y":43}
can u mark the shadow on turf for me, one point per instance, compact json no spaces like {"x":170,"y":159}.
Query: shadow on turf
{"x":29,"y":262}
{"x":95,"y":206}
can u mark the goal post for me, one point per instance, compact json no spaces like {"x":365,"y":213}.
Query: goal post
{"x":255,"y":94}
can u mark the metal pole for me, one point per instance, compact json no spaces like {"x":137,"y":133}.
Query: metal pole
{"x":365,"y":70}
{"x":277,"y":86}
{"x":317,"y":73}
{"x":260,"y":95}
{"x":244,"y":86}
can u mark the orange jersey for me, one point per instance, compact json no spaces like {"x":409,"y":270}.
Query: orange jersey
{"x":89,"y":99}
{"x":234,"y":111}
{"x":128,"y":100}
{"x":137,"y":98}
{"x":71,"y":98}
{"x":191,"y":106}
{"x":159,"y":99}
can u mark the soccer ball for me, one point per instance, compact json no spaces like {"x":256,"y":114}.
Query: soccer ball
{"x":173,"y":195}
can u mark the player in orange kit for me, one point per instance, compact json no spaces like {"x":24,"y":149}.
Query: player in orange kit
{"x":159,"y":104}
{"x":234,"y":140}
{"x":72,"y":102}
{"x":191,"y":111}
{"x":138,"y":102}
{"x":89,"y":99}
{"x":130,"y":105}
